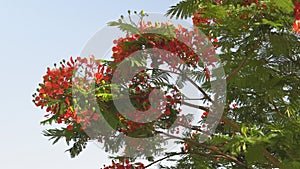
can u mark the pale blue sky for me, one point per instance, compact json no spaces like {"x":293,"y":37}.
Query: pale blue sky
{"x":35,"y":34}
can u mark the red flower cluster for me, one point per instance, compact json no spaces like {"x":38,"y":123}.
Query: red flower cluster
{"x":182,"y":45}
{"x":249,"y":2}
{"x":199,"y":20}
{"x":177,"y":46}
{"x":55,"y":93}
{"x":93,"y":69}
{"x":141,"y":87}
{"x":174,"y":47}
{"x":121,"y":51}
{"x":296,"y":25}
{"x":125,"y":165}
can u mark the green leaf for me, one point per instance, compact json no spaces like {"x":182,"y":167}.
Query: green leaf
{"x":253,"y":154}
{"x":183,"y":9}
{"x":124,"y":27}
{"x":280,"y":45}
{"x":286,"y":5}
{"x":290,"y":164}
{"x":113,"y":23}
{"x":271,"y":23}
{"x":244,"y":130}
{"x":215,"y":11}
{"x":50,"y":120}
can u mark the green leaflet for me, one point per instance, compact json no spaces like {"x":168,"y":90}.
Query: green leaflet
{"x":286,"y":6}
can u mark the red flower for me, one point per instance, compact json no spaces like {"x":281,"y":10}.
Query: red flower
{"x":207,"y":73}
{"x":126,"y":165}
{"x":48,"y":84}
{"x":95,"y":117}
{"x":137,"y":89}
{"x":249,"y":2}
{"x":204,"y":115}
{"x":70,"y":127}
{"x":168,"y":112}
{"x":185,"y":147}
{"x":67,"y":101}
{"x":296,"y":26}
{"x":198,"y":20}
{"x":218,"y":1}
{"x":234,"y":106}
{"x":59,"y":120}
{"x":297,"y":11}
{"x":99,"y":77}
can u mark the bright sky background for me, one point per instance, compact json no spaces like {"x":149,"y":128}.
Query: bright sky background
{"x":35,"y":34}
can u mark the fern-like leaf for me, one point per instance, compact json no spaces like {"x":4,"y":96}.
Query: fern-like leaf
{"x":125,"y":27}
{"x":183,"y":9}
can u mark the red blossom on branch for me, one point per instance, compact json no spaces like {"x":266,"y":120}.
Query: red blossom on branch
{"x":125,"y":165}
{"x":55,"y":93}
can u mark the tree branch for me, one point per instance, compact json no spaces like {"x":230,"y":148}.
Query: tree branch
{"x":195,"y":106}
{"x":271,"y":158}
{"x":206,"y":96}
{"x":237,"y":69}
{"x":231,"y":123}
{"x":168,"y":156}
{"x":276,"y":109}
{"x":212,"y":148}
{"x":198,"y":87}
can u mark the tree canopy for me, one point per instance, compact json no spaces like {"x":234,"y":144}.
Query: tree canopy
{"x":256,"y":42}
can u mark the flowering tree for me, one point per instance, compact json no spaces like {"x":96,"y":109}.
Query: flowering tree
{"x":258,"y":46}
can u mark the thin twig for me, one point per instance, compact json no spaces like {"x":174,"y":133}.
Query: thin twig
{"x":276,"y":109}
{"x":197,"y":86}
{"x":171,"y":155}
{"x":192,"y":82}
{"x":195,"y":106}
